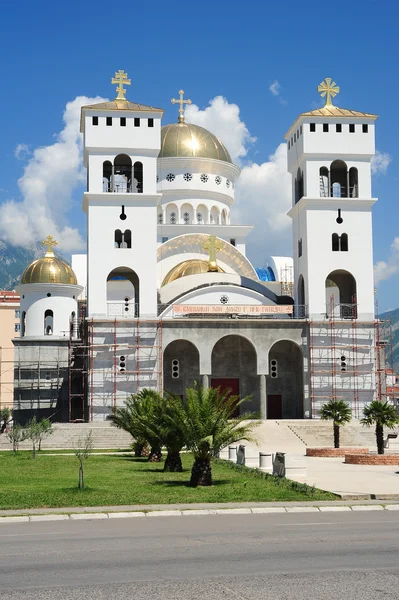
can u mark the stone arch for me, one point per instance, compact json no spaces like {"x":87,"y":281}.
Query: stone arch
{"x":234,"y":365}
{"x":187,"y":214}
{"x":214,"y":217}
{"x":188,"y":366}
{"x":123,"y":293}
{"x":284,"y":384}
{"x":172,"y":214}
{"x":202,"y":214}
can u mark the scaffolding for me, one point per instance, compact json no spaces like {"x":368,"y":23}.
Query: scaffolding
{"x":348,"y":359}
{"x":110,"y":360}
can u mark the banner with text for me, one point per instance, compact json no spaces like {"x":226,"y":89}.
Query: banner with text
{"x":236,"y":309}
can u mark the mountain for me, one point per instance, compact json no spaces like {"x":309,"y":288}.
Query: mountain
{"x":393,"y":316}
{"x":15,"y":259}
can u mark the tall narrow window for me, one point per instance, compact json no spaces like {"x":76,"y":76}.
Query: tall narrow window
{"x":365,"y":128}
{"x":338,"y":128}
{"x":312,"y":127}
{"x":94,"y":120}
{"x":136,"y":122}
{"x":23,"y":323}
{"x":344,"y":242}
{"x":232,"y":242}
{"x":150,"y":122}
{"x":138,"y":177}
{"x":325,"y":127}
{"x":118,"y":238}
{"x":123,"y":121}
{"x":351,"y":128}
{"x":48,"y":322}
{"x":109,"y":121}
{"x":127,"y":239}
{"x":335,"y":242}
{"x":300,"y":247}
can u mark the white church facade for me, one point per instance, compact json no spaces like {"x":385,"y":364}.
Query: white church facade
{"x":166,"y":295}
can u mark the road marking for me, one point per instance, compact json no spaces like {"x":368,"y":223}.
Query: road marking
{"x":304,"y":524}
{"x":36,"y":533}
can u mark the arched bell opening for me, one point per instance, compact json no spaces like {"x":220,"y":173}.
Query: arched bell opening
{"x":341,"y":299}
{"x":123,"y":293}
{"x":122,"y":179}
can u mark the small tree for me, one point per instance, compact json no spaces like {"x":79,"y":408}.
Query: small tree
{"x":82,"y":453}
{"x":16,"y":435}
{"x":380,"y":414}
{"x":5,"y":418}
{"x":45,"y":430}
{"x":33,"y":433}
{"x":339,"y":413}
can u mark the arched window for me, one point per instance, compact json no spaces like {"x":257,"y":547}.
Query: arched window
{"x":299,"y":184}
{"x":122,"y":176}
{"x":353,"y":183}
{"x":344,"y":242}
{"x":138,"y":177}
{"x":339,"y":179}
{"x":160,"y":218}
{"x":199,"y":218}
{"x":186,"y":218}
{"x":23,"y":323}
{"x":48,"y":322}
{"x":335,"y":242}
{"x":301,"y":291}
{"x":324,"y":185}
{"x":341,"y":295}
{"x":173,"y":218}
{"x":107,"y":176}
{"x":118,"y":238}
{"x":123,"y":239}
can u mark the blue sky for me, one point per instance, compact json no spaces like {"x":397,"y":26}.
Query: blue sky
{"x":53,"y":53}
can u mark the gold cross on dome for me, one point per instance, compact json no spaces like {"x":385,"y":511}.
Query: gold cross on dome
{"x":182,"y":102}
{"x":120,"y":80}
{"x":328,"y":89}
{"x":50,"y":242}
{"x":212,"y":245}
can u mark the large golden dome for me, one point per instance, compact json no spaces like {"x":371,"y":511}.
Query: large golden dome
{"x":186,"y":140}
{"x":194,"y":266}
{"x":49,"y":269}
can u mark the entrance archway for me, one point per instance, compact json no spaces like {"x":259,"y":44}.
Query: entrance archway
{"x":234,"y":366}
{"x":123,"y":293}
{"x":284,"y":384}
{"x":180,"y":367}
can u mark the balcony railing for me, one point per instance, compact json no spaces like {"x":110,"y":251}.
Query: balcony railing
{"x":122,"y":187}
{"x":339,"y":192}
{"x":342,"y":311}
{"x":122,"y":309}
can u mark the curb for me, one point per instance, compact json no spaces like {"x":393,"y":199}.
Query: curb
{"x":199,"y":512}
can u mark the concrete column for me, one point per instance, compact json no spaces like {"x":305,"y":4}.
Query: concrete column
{"x":205,"y":381}
{"x":263,"y":396}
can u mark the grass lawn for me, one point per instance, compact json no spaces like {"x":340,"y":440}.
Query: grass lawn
{"x":51,"y":481}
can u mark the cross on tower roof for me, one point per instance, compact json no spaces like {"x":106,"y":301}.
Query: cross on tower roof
{"x":120,"y":79}
{"x":182,"y":102}
{"x":49,"y":242}
{"x":328,"y":89}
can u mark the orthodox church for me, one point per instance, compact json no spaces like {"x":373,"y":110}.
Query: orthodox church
{"x":166,"y":295}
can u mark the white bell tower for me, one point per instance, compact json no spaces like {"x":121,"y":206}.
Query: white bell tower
{"x":122,"y":140}
{"x":329,"y":156}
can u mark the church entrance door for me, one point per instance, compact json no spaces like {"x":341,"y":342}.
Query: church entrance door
{"x":274,"y":406}
{"x":228,"y":383}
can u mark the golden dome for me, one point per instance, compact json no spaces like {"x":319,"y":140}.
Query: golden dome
{"x":186,"y":140}
{"x":194,"y":266}
{"x":49,"y":269}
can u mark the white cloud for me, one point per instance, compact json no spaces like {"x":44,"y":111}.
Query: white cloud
{"x":22,"y":151}
{"x":47,"y":184}
{"x":380,"y":163}
{"x":275,"y":88}
{"x":385,"y":269}
{"x":263,"y":191}
{"x":223,"y":119}
{"x":263,"y":198}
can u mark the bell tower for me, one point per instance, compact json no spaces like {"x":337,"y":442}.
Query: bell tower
{"x":121,"y":142}
{"x":329,"y":156}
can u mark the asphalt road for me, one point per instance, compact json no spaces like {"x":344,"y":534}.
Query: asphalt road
{"x":236,"y":557}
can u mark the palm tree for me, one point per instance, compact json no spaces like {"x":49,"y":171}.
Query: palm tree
{"x":381,"y":414}
{"x":209,"y":426}
{"x":134,"y":417}
{"x":339,"y":413}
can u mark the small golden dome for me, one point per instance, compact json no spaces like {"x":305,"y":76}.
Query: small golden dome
{"x":186,"y":140}
{"x":194,"y":266}
{"x":49,"y":269}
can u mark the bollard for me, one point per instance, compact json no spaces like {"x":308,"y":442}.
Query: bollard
{"x":265,"y":462}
